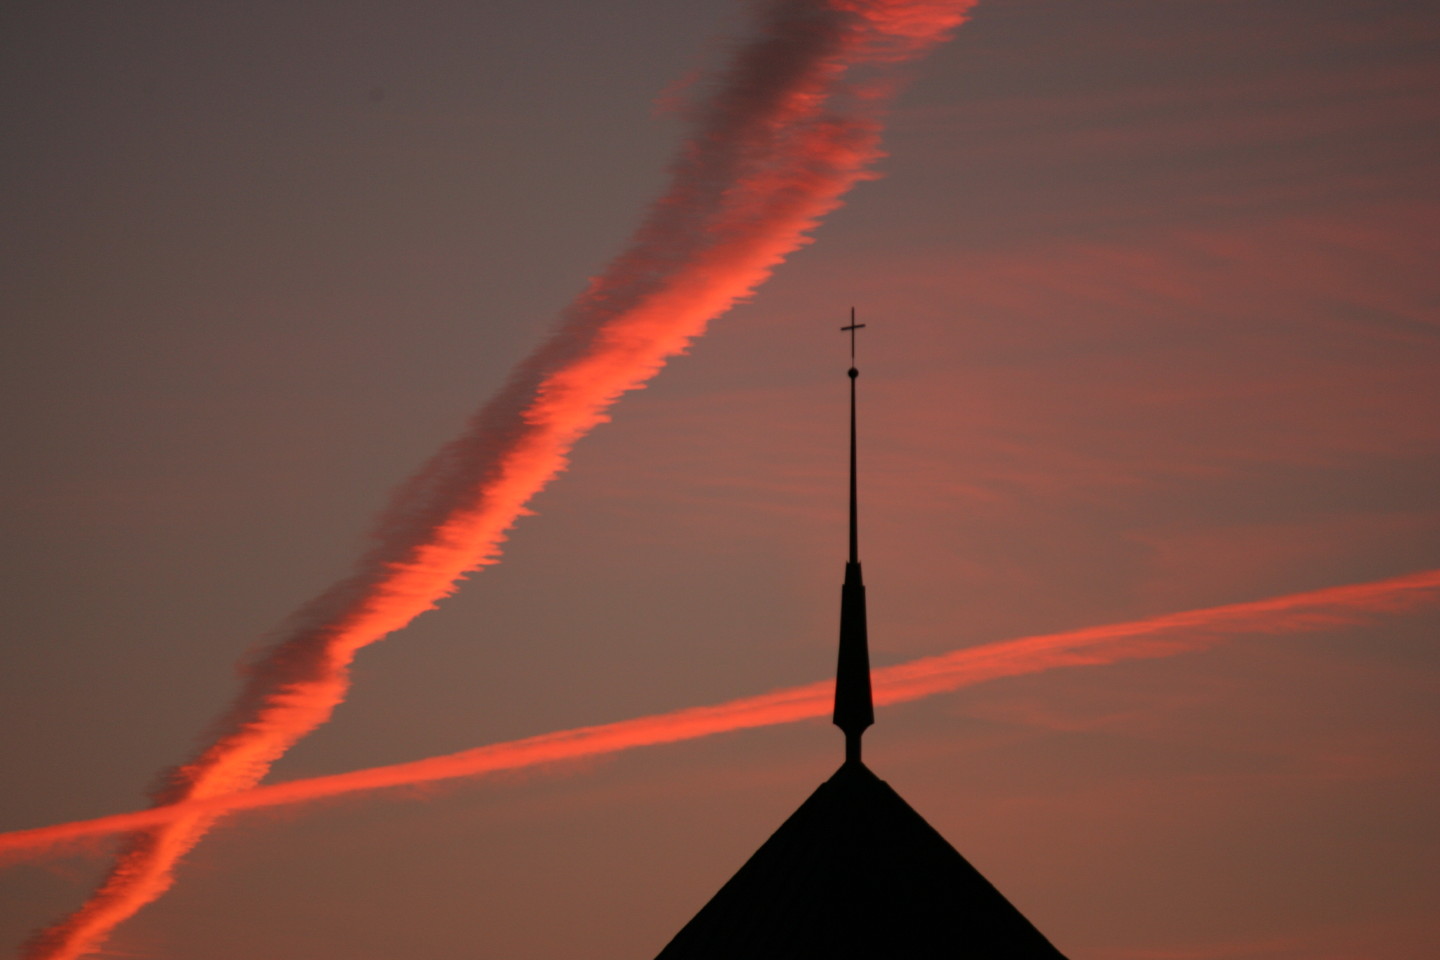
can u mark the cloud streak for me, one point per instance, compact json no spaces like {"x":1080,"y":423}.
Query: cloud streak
{"x":791,"y":125}
{"x":1153,"y":637}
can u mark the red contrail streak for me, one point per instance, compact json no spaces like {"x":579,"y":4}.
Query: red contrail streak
{"x":788,"y":130}
{"x":1154,"y":637}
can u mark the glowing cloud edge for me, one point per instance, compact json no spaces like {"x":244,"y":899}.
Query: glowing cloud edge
{"x":1152,"y":637}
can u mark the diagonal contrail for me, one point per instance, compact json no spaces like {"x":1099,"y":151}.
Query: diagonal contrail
{"x":789,"y":129}
{"x":1161,"y":636}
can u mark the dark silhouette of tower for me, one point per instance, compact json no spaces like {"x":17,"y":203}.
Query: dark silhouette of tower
{"x":855,"y":873}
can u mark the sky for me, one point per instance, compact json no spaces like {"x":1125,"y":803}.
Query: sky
{"x":1151,"y":315}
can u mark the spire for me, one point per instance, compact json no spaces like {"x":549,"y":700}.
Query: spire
{"x":855,"y":873}
{"x":854,"y":709}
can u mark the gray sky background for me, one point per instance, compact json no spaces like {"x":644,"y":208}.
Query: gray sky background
{"x":1152,"y":306}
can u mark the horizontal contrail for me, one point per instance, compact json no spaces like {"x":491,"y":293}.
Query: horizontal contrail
{"x":1138,"y":639}
{"x":790,"y":127}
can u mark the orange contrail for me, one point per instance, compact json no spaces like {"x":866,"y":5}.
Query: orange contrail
{"x":790,"y":128}
{"x":1154,"y":637}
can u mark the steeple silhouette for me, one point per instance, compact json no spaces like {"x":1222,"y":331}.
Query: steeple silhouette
{"x":855,"y":873}
{"x":854,"y":705}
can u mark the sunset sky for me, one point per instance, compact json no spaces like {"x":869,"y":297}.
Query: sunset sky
{"x":1151,"y":294}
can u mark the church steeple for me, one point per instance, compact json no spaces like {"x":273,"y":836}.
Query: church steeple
{"x":854,"y":707}
{"x":856,"y":873}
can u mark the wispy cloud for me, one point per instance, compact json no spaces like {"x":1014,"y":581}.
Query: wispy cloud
{"x":1162,"y":636}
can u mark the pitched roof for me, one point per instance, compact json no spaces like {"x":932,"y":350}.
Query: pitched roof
{"x":856,"y":874}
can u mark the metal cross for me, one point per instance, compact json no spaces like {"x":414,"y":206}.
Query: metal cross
{"x":852,"y":328}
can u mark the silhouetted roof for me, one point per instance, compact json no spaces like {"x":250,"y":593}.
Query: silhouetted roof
{"x":857,"y":874}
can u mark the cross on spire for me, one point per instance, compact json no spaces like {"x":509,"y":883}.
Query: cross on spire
{"x":852,"y":328}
